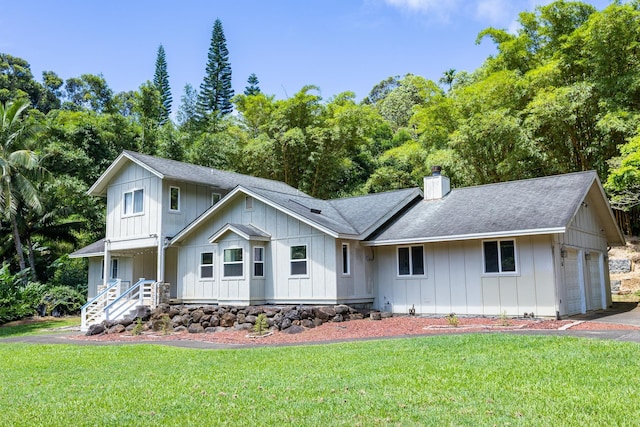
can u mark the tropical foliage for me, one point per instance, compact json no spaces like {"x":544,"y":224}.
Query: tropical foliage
{"x":561,"y":94}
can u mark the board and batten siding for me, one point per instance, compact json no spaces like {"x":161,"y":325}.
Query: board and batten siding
{"x":357,"y":285}
{"x":119,"y":226}
{"x":454,"y":281}
{"x":194,"y":201}
{"x":584,"y":273}
{"x":318,"y":286}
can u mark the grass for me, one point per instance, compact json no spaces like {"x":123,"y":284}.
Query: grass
{"x":480,"y":379}
{"x":37,"y":326}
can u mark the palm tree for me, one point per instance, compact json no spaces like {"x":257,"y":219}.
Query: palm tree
{"x":16,"y":161}
{"x":448,"y":77}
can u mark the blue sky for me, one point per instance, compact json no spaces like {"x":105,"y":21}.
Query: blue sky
{"x":338,"y":45}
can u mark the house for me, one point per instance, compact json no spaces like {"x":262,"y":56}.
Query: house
{"x":212,"y":237}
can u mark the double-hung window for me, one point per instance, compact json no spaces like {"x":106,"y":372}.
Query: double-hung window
{"x":499,"y":256}
{"x":206,"y":265}
{"x":114,"y":269}
{"x":411,"y":261}
{"x":133,"y":202}
{"x":258,"y":261}
{"x":232,"y":262}
{"x":298,"y":260}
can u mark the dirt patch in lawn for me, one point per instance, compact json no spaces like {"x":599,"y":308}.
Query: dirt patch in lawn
{"x":362,"y":329}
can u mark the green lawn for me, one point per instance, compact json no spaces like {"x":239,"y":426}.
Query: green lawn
{"x":37,"y":327}
{"x":481,"y":379}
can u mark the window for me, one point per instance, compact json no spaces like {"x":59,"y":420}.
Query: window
{"x":174,"y":202}
{"x":258,"y":262}
{"x":114,"y":269}
{"x":232,"y":262}
{"x":248,"y":203}
{"x":206,"y":265}
{"x":346,"y":260}
{"x":411,"y":261}
{"x":133,"y":202}
{"x":215,"y":198}
{"x":499,"y":256}
{"x":299,"y":260}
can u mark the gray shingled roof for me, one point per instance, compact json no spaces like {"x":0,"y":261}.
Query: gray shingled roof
{"x":181,"y":171}
{"x":533,"y":204}
{"x":95,"y":248}
{"x":351,"y":215}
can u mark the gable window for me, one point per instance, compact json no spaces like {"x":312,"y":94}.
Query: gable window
{"x":215,"y":198}
{"x":232,"y":263}
{"x":346,"y":260}
{"x":499,"y":256}
{"x":411,"y":261}
{"x":298,"y":260}
{"x":258,"y":261}
{"x":174,"y":202}
{"x":248,"y":203}
{"x":133,"y":202}
{"x":206,"y":265}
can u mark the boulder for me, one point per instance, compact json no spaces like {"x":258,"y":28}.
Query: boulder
{"x":356,"y":316}
{"x":375,"y":315}
{"x":293,"y":314}
{"x":286,"y":323}
{"x":293,"y":329}
{"x":341,"y":309}
{"x":210,"y":330}
{"x":324,"y":313}
{"x":116,"y":329}
{"x":227,"y":320}
{"x":95,"y":330}
{"x":307,"y":323}
{"x":250,"y":318}
{"x":195,"y":328}
{"x":386,"y":314}
{"x":196,"y":316}
{"x":243,"y":327}
{"x":180,"y":329}
{"x":338,"y":318}
{"x":177,"y":320}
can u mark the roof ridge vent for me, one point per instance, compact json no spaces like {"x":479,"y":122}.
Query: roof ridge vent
{"x":312,"y":210}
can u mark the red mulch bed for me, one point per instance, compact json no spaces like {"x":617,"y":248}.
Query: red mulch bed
{"x":367,"y":328}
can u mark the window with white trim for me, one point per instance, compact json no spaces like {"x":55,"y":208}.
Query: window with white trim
{"x":499,"y":256}
{"x":114,"y":269}
{"x":346,"y":260}
{"x":215,"y":198}
{"x":206,"y":265}
{"x":298,"y":260}
{"x":133,"y":202}
{"x":174,"y":199}
{"x":258,"y":261}
{"x":411,"y":261}
{"x":232,"y":262}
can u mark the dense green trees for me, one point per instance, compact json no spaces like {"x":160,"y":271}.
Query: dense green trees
{"x":561,"y":94}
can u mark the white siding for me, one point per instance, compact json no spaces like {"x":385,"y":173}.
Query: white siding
{"x":130,"y":178}
{"x":318,"y":286}
{"x":455,"y":282}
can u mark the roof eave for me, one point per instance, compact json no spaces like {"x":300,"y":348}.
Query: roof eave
{"x":100,"y":186}
{"x":471,"y":236}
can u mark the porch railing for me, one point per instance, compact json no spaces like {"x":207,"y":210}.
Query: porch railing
{"x":139,"y":294}
{"x":93,"y":311}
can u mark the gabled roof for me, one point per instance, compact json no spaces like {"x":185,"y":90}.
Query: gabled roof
{"x":247,"y":232}
{"x":350,"y":218}
{"x":533,"y":206}
{"x":185,"y":172}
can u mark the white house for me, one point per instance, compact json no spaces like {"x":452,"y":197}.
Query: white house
{"x":532,"y":246}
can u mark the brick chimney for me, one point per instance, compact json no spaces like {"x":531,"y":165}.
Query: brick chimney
{"x":436,"y":186}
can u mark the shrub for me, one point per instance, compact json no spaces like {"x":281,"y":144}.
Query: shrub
{"x":12,"y":306}
{"x":70,"y":272}
{"x":62,"y":300}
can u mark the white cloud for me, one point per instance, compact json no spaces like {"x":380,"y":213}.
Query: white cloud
{"x":441,"y":9}
{"x":494,"y":11}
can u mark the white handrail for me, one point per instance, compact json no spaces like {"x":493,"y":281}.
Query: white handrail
{"x":92,"y":310}
{"x":135,"y":295}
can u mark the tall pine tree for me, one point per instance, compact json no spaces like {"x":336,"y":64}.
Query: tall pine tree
{"x":214,"y":98}
{"x":161,"y":81}
{"x":252,"y":88}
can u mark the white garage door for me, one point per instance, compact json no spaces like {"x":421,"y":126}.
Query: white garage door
{"x":572,"y":283}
